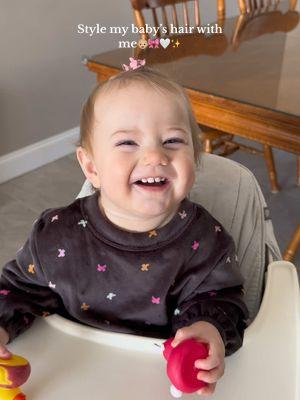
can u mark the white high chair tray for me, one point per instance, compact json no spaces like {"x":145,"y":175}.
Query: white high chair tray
{"x":72,"y":361}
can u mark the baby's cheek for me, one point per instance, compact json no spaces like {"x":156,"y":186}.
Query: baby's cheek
{"x":190,"y":173}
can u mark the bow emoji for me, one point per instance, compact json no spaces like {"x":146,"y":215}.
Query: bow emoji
{"x":153,"y":43}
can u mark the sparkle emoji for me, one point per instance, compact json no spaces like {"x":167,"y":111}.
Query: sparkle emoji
{"x":176,"y":44}
{"x":143,"y":44}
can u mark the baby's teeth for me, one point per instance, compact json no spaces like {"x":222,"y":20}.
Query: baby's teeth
{"x":152,"y":180}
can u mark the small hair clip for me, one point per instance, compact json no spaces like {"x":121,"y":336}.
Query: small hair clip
{"x":133,"y":64}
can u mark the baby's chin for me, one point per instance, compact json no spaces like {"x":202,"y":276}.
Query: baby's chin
{"x":160,"y":214}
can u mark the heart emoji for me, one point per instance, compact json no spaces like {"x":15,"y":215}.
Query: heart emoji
{"x":164,"y":42}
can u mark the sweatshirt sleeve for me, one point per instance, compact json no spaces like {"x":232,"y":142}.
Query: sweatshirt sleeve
{"x":25,"y":291}
{"x":218,"y":300}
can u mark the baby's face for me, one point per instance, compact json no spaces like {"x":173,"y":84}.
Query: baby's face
{"x":142,"y":134}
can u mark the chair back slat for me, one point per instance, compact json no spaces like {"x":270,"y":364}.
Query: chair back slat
{"x":174,"y":14}
{"x":155,"y":20}
{"x":185,"y":14}
{"x":140,"y":21}
{"x":165,"y":18}
{"x":197,"y":13}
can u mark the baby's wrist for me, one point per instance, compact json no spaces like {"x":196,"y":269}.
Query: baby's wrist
{"x":208,"y":329}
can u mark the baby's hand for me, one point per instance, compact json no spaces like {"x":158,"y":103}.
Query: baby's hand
{"x":214,"y":364}
{"x":4,"y":352}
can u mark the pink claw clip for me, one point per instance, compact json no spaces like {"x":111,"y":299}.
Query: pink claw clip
{"x":133,"y":64}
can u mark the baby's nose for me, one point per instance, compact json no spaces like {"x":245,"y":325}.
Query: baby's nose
{"x":155,"y":157}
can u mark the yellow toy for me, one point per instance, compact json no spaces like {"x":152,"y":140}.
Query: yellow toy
{"x":14,"y":372}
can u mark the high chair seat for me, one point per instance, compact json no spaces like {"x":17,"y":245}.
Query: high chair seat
{"x":71,"y":360}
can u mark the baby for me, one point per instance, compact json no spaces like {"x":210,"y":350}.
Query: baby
{"x":136,"y":256}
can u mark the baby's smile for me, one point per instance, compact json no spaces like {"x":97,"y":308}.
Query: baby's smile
{"x":157,"y":184}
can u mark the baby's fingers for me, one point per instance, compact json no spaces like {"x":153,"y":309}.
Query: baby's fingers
{"x":4,"y":352}
{"x":208,"y":363}
{"x":214,"y":359}
{"x":207,"y":390}
{"x":211,"y":376}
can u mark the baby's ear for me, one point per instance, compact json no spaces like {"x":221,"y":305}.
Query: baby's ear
{"x":88,"y":166}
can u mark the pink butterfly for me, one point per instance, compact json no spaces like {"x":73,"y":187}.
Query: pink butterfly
{"x":134,"y":64}
{"x":155,"y":300}
{"x":101,"y":268}
{"x":195,"y":245}
{"x":153,"y":43}
{"x":212,"y":294}
{"x":5,"y":292}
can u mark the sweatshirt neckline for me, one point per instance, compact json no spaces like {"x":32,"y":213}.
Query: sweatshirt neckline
{"x":117,"y":237}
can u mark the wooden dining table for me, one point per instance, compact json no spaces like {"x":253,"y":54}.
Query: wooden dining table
{"x":248,"y":86}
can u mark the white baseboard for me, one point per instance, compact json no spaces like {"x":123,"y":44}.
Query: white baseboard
{"x":35,"y":155}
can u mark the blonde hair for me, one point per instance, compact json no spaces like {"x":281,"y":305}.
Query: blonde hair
{"x":154,"y":80}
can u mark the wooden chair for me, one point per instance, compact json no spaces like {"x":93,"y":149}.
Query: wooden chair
{"x":213,"y":139}
{"x":252,"y":6}
{"x":172,"y":6}
{"x":260,"y":22}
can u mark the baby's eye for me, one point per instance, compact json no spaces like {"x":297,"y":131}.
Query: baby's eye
{"x":174,"y":140}
{"x":126,"y":143}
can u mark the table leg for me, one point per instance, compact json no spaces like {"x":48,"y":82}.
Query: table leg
{"x":271,"y":168}
{"x":207,"y":146}
{"x":293,"y":246}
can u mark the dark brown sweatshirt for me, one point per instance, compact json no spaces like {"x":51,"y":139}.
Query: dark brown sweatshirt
{"x":78,"y":264}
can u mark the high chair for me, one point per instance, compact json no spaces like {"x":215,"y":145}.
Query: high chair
{"x":73,"y":361}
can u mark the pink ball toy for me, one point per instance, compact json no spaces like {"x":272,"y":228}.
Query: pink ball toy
{"x":180,"y":365}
